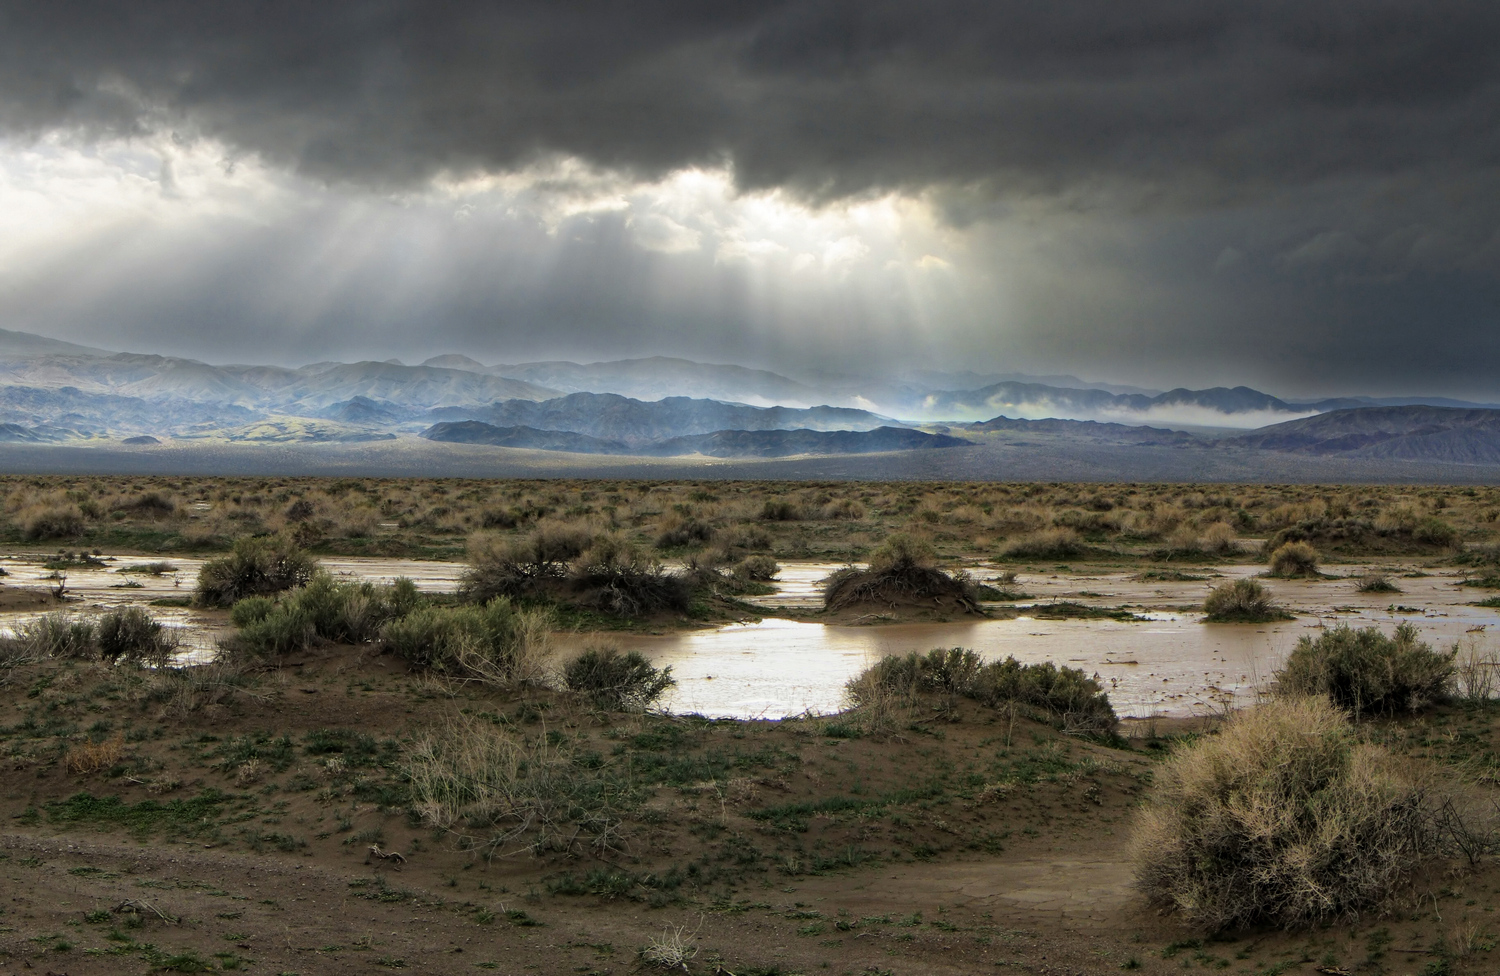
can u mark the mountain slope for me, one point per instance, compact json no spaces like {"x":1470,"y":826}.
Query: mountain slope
{"x":475,"y":432}
{"x":790,"y":443}
{"x":1087,"y":430}
{"x":613,"y":417}
{"x":1407,"y":433}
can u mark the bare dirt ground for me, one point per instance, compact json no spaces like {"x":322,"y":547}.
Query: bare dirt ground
{"x":956,"y":840}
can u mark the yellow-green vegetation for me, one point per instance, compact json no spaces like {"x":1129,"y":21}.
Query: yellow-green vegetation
{"x":803,"y":520}
{"x":1286,"y":817}
{"x":1294,"y":559}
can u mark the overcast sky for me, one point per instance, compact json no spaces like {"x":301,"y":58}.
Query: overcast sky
{"x":1299,"y":197}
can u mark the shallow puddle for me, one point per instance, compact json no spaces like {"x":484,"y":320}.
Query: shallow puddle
{"x":1168,"y":663}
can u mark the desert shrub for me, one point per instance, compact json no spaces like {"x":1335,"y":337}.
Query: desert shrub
{"x":902,"y":571}
{"x":59,"y":635}
{"x":900,"y":552}
{"x":1059,"y":543}
{"x":615,"y":680}
{"x":1366,"y":671}
{"x":1282,"y":818}
{"x":616,"y":577}
{"x":255,"y":567}
{"x":251,"y":610}
{"x":1220,"y":539}
{"x":1433,"y":531}
{"x":1376,"y":583}
{"x":130,"y":634}
{"x":52,"y":522}
{"x":1243,"y":601}
{"x":779,"y":511}
{"x":844,"y":508}
{"x":152,"y":504}
{"x":1062,"y":696}
{"x":496,"y":643}
{"x":91,"y":757}
{"x":513,"y":568}
{"x":1294,"y":559}
{"x":757,"y":569}
{"x":285,"y":630}
{"x":680,"y":533}
{"x":1066,"y":697}
{"x":504,"y":793}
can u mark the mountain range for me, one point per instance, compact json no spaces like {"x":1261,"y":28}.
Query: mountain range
{"x":59,"y":393}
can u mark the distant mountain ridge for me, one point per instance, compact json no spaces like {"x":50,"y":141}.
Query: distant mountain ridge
{"x":719,"y":443}
{"x":1405,"y":433}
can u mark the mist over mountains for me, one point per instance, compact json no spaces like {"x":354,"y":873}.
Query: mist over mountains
{"x":59,"y":393}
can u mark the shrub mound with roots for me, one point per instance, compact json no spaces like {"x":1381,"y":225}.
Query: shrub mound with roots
{"x":1284,"y":818}
{"x":902,"y":572}
{"x":1064,"y":697}
{"x":615,"y":680}
{"x":1366,"y":671}
{"x":1242,"y":601}
{"x":255,"y":567}
{"x":1294,"y":559}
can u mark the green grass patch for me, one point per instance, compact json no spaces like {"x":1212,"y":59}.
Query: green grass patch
{"x":187,"y":816}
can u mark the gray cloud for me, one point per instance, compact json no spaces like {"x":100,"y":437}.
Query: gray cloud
{"x":1301,"y":196}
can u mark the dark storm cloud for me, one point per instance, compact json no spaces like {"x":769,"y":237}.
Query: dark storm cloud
{"x":1198,"y":98}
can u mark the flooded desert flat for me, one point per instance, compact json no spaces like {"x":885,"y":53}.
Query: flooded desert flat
{"x":1165,"y":662}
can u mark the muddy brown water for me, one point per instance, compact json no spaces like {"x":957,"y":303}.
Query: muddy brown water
{"x":1169,"y":663}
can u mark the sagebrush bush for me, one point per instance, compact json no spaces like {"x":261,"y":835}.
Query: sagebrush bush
{"x":1376,"y":583}
{"x":517,"y":567}
{"x":132,"y":635}
{"x":59,"y":635}
{"x":900,"y":552}
{"x":326,"y":609}
{"x":1282,"y":818}
{"x":1366,"y":671}
{"x":254,"y":567}
{"x":52,"y":522}
{"x":495,"y":643}
{"x":757,"y":569}
{"x":1060,"y":543}
{"x":1294,"y":559}
{"x":615,"y":680}
{"x":1242,"y":601}
{"x":1062,"y":696}
{"x":902,"y":571}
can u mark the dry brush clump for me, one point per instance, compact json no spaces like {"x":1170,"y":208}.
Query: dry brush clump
{"x":495,"y":643}
{"x":1285,"y":818}
{"x":902,"y":572}
{"x":1294,"y":559}
{"x":1242,"y":601}
{"x":1059,"y":543}
{"x":1365,"y":671}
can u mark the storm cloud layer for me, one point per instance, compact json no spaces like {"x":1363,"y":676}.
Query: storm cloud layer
{"x":1291,"y":195}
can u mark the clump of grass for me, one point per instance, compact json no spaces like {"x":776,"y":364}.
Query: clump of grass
{"x":90,"y":757}
{"x":504,"y":792}
{"x":902,"y":571}
{"x":1366,"y":671}
{"x":132,"y":635}
{"x":1294,"y":559}
{"x":1058,"y":543}
{"x":1242,"y":601}
{"x":615,"y":680}
{"x":255,"y":567}
{"x":1375,"y":583}
{"x":1283,"y":818}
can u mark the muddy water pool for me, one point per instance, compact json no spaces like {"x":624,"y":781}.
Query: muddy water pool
{"x":1168,"y":663}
